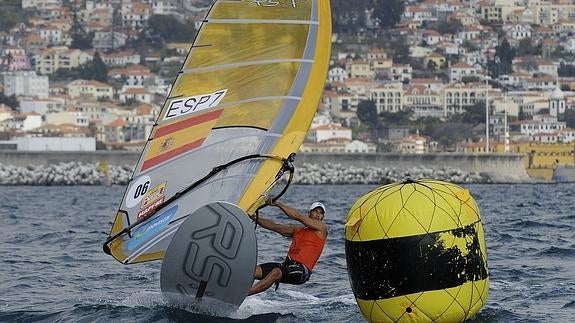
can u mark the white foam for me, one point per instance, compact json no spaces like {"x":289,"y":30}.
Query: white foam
{"x":145,"y":299}
{"x":286,"y":302}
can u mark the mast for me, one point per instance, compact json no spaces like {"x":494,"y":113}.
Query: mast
{"x":506,"y":131}
{"x":486,"y":114}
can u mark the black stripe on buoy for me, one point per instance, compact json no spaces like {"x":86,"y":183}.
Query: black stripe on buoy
{"x":394,"y":267}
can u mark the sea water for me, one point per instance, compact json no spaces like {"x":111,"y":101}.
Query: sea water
{"x":53,"y":268}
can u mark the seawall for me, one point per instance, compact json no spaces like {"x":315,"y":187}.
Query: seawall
{"x":499,"y":167}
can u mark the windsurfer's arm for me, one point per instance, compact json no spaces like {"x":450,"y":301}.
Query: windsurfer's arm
{"x":305,"y":220}
{"x":284,"y":230}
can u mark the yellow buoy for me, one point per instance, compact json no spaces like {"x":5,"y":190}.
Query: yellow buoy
{"x":415,"y":251}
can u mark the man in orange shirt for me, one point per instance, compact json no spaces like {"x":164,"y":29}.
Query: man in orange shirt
{"x":307,"y":244}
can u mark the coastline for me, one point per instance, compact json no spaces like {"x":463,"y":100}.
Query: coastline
{"x":81,"y":168}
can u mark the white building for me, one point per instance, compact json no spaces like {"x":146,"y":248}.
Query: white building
{"x":541,"y":124}
{"x":51,"y":35}
{"x":42,"y":106}
{"x":91,"y":88}
{"x":67,"y":117}
{"x":547,"y":67}
{"x":329,"y":132}
{"x":401,"y":72}
{"x":55,"y":144}
{"x":461,"y":70}
{"x":135,"y":14}
{"x":108,"y":40}
{"x":322,"y":118}
{"x":518,"y":31}
{"x":5,"y":112}
{"x":164,"y":7}
{"x":556,"y":103}
{"x":120,"y":58}
{"x":41,"y":4}
{"x":138,"y":94}
{"x":24,"y":121}
{"x":411,"y":145}
{"x":337,"y":74}
{"x":570,"y":45}
{"x":51,"y":59}
{"x":357,"y":146}
{"x":340,"y":105}
{"x":26,"y":83}
{"x":388,"y":97}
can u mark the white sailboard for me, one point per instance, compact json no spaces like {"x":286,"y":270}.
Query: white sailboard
{"x":212,"y":256}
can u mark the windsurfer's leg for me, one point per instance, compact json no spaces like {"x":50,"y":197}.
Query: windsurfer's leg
{"x":266,"y":282}
{"x":263,"y":270}
{"x":258,"y":273}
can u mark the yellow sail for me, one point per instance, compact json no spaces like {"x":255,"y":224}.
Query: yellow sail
{"x":104,"y":168}
{"x":244,"y":99}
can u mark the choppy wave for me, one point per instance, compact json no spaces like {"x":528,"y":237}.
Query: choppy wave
{"x":53,"y":269}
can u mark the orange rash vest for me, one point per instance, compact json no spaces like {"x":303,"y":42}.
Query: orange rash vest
{"x":306,"y":247}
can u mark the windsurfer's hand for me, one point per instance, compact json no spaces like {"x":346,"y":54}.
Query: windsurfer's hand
{"x":270,"y":201}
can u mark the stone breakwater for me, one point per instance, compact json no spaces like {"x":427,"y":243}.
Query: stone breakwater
{"x":76,"y":173}
{"x":333,"y":173}
{"x":72,"y":173}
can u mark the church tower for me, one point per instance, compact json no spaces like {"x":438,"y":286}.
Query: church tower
{"x":556,"y":102}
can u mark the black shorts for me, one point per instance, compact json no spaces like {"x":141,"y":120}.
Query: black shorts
{"x":292,"y":271}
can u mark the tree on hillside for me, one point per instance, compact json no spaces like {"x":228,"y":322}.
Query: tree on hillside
{"x":10,"y":101}
{"x":95,"y":69}
{"x":562,"y":53}
{"x":452,"y":132}
{"x":388,"y":12}
{"x":163,"y":29}
{"x":80,"y":38}
{"x":400,"y":51}
{"x":475,"y":114}
{"x":469,"y":46}
{"x":569,"y":118}
{"x":426,"y":125}
{"x":340,"y":7}
{"x":566,"y":70}
{"x":502,"y":64}
{"x":529,"y":64}
{"x":5,"y":61}
{"x":505,"y":52}
{"x":526,"y":47}
{"x":367,"y":113}
{"x":449,"y":27}
{"x":402,"y":117}
{"x":431,"y":65}
{"x":349,"y":16}
{"x":11,"y":13}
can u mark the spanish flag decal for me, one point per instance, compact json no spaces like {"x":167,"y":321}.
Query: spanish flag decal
{"x":177,"y":138}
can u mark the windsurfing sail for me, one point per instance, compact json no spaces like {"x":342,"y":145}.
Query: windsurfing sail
{"x":240,"y":106}
{"x":104,"y":168}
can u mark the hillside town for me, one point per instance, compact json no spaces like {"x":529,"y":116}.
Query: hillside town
{"x":449,"y":76}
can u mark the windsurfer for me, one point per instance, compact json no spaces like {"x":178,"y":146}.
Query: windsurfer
{"x":305,"y":249}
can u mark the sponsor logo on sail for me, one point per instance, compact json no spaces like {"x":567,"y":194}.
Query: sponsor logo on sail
{"x":151,"y":228}
{"x":154,"y":198}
